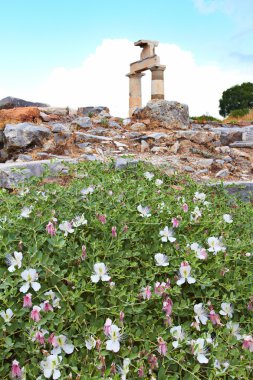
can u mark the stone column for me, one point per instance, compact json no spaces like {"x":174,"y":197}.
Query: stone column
{"x":134,"y":91}
{"x":157,"y":83}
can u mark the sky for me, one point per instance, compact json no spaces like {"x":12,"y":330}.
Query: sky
{"x":77,"y":53}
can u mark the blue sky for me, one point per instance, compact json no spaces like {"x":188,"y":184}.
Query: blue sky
{"x":38,"y":37}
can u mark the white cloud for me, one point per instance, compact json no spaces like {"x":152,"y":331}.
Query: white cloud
{"x":101,"y":80}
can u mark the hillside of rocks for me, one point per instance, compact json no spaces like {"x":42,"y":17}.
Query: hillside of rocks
{"x":209,"y":150}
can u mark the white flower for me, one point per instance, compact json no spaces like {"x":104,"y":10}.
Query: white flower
{"x":88,"y":190}
{"x":227,"y":218}
{"x":161,"y":260}
{"x":196,"y":214}
{"x":125,"y":369}
{"x":79,"y":221}
{"x":113,"y":343}
{"x":66,"y":227}
{"x":178,"y":334}
{"x":199,"y":350}
{"x":200,"y":252}
{"x":30,"y":276}
{"x":200,"y":313}
{"x":60,"y":343}
{"x":52,"y":297}
{"x":148,"y":175}
{"x":100,"y":273}
{"x":167,"y":235}
{"x":234,"y":329}
{"x":90,"y":343}
{"x":6,"y":315}
{"x":184,"y":272}
{"x":14,"y":261}
{"x":26,"y":211}
{"x":50,"y":366}
{"x":144,"y":211}
{"x":199,"y":197}
{"x":218,"y":365}
{"x":227,"y":309}
{"x":215,"y":245}
{"x":158,"y":182}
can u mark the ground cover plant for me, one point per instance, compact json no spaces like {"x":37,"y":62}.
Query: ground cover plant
{"x":125,"y":274}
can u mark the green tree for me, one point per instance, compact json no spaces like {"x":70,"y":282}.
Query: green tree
{"x":236,"y":97}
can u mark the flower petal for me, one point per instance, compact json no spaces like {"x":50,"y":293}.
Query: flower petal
{"x":181,"y":281}
{"x":36,"y":286}
{"x":25,"y":287}
{"x":202,"y":358}
{"x":68,"y":348}
{"x":95,"y":278}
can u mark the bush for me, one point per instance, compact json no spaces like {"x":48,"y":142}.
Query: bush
{"x":185,"y":315}
{"x":239,"y":113}
{"x":205,"y":118}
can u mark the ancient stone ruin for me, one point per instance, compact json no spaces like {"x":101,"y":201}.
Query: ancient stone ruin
{"x":148,"y":61}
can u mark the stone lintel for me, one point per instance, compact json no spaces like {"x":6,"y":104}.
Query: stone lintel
{"x":144,"y":64}
{"x":142,"y":43}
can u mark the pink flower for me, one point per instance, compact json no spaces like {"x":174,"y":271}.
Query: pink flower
{"x":247,"y":343}
{"x":35,"y":313}
{"x":113,"y":369}
{"x":84,"y":254}
{"x":101,"y":218}
{"x":162,"y":346}
{"x":125,"y":228}
{"x":141,"y":372}
{"x":114,"y":232}
{"x":185,"y":207}
{"x":121,"y":316}
{"x":167,"y":306}
{"x":51,"y":229}
{"x":160,"y":287}
{"x":46,"y":306}
{"x":175,"y":222}
{"x":152,"y":361}
{"x":98,"y":344}
{"x":146,"y":293}
{"x":107,"y":326}
{"x":27,"y":300}
{"x":39,"y":337}
{"x":51,"y":339}
{"x":16,"y":371}
{"x":214,"y":318}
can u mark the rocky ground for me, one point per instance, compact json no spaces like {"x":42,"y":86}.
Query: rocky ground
{"x":205,"y":151}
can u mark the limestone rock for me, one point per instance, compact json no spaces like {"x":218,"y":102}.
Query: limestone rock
{"x":114,"y":124}
{"x":144,"y":146}
{"x":222,"y":173}
{"x":22,"y":135}
{"x":174,"y":148}
{"x":242,"y":144}
{"x":60,"y":128}
{"x":11,"y":102}
{"x":138,"y":127}
{"x":60,"y":111}
{"x":19,"y":115}
{"x":91,"y":111}
{"x":171,"y":115}
{"x":82,"y":122}
{"x":199,"y":137}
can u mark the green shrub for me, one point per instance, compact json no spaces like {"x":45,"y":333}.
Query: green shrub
{"x":239,"y":113}
{"x":125,"y":235}
{"x":205,"y":118}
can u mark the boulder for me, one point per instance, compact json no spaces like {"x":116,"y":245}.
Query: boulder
{"x":171,"y":115}
{"x":19,"y":115}
{"x":59,"y":111}
{"x":82,"y":122}
{"x":24,"y":135}
{"x":138,"y":127}
{"x":199,"y":137}
{"x":59,"y":128}
{"x":91,"y":111}
{"x":11,"y":102}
